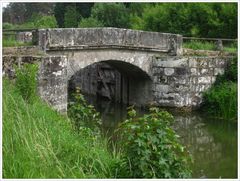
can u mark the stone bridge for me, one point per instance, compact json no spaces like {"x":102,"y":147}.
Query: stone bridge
{"x":140,"y":67}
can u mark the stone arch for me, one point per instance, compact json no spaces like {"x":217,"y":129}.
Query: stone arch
{"x":127,"y":82}
{"x":134,"y":59}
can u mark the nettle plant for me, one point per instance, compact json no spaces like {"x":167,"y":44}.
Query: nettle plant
{"x":83,"y":115}
{"x":151,"y":147}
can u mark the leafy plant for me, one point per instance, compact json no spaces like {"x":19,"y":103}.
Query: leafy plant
{"x":82,"y":114}
{"x":26,"y":81}
{"x":151,"y":147}
{"x":90,"y":22}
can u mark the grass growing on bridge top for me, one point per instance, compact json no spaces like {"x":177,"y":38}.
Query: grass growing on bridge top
{"x":40,"y":143}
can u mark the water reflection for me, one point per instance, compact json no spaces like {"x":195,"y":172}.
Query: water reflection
{"x":212,"y":143}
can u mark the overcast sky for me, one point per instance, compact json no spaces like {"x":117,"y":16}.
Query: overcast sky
{"x":4,"y":4}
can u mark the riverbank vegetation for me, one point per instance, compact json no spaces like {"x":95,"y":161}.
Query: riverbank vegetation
{"x":38,"y":142}
{"x":221,"y":99}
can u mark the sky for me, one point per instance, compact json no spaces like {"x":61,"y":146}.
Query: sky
{"x":4,"y":4}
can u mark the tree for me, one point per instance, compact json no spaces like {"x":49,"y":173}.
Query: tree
{"x":59,"y":11}
{"x":90,"y":22}
{"x":111,"y":14}
{"x":46,"y":22}
{"x":71,"y":17}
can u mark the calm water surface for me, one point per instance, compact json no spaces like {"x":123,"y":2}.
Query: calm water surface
{"x":212,"y":143}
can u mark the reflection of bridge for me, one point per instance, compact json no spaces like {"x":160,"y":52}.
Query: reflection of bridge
{"x":152,"y":68}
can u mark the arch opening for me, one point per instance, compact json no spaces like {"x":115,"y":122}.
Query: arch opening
{"x":115,"y":81}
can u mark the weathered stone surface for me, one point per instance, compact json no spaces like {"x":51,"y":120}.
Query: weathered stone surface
{"x":52,"y":81}
{"x":204,"y":80}
{"x":85,"y":38}
{"x":151,"y":68}
{"x":168,"y":71}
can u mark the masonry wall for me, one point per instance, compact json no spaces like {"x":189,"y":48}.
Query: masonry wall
{"x":180,"y":81}
{"x":52,"y":81}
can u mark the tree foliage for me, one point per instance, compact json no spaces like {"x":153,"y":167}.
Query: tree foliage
{"x":90,"y":22}
{"x":111,"y":14}
{"x":71,"y":17}
{"x":189,"y":19}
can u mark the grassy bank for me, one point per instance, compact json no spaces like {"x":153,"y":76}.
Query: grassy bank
{"x":40,"y":143}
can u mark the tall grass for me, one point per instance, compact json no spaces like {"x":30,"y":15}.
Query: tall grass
{"x":221,"y":101}
{"x":40,"y":143}
{"x":11,"y":42}
{"x":205,"y":45}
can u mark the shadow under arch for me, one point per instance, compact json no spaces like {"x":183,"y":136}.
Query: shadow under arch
{"x":115,"y":80}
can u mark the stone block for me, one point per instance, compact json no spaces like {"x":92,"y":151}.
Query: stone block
{"x":193,"y":80}
{"x":194,"y":71}
{"x":203,"y":71}
{"x":162,"y":88}
{"x":204,"y":80}
{"x":181,"y":71}
{"x":193,"y":62}
{"x":211,"y":62}
{"x":218,"y":71}
{"x":157,"y":71}
{"x":221,"y":63}
{"x":202,"y":62}
{"x":169,"y":71}
{"x":202,"y":87}
{"x":171,"y":62}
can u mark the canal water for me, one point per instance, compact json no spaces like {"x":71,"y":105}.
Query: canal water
{"x":211,"y":142}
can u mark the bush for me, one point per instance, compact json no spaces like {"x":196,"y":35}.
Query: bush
{"x":26,"y":81}
{"x":221,"y":101}
{"x":46,"y":22}
{"x":82,"y":114}
{"x":151,"y":148}
{"x":90,"y":22}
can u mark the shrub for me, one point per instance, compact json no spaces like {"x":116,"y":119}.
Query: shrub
{"x":221,"y":101}
{"x":26,"y":81}
{"x":46,"y":22}
{"x":82,"y":114}
{"x":151,"y":148}
{"x":90,"y":22}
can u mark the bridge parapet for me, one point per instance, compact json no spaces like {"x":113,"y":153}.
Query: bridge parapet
{"x":102,"y":38}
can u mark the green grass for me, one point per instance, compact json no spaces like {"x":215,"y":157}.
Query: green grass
{"x":13,"y":43}
{"x":38,"y":142}
{"x":205,"y":45}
